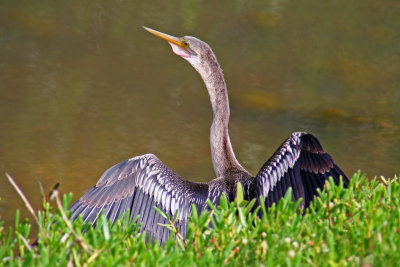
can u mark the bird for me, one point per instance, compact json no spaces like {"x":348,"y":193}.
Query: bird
{"x":143,"y":182}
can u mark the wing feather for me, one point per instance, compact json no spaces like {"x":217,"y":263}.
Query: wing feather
{"x":301,"y":163}
{"x":139,"y":184}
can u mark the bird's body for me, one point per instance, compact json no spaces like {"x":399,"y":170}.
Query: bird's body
{"x":142,"y":182}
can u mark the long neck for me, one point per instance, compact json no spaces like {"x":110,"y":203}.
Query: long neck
{"x":223,"y":157}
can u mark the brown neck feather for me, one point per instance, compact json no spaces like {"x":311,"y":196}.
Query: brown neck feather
{"x":223,"y":157}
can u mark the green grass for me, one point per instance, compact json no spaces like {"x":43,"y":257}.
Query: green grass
{"x":354,"y":226}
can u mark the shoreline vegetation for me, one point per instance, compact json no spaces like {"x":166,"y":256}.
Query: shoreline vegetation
{"x":342,"y":227}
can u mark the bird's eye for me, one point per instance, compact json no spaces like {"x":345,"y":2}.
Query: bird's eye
{"x":184,"y":43}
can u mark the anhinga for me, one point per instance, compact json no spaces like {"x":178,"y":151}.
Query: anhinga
{"x":142,"y":182}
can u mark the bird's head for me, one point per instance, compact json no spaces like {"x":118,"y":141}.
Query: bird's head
{"x":188,"y":47}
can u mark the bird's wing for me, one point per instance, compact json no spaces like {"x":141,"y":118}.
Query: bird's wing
{"x":301,"y":163}
{"x":139,"y":184}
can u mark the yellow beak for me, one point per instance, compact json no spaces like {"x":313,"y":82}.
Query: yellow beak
{"x":169,"y":38}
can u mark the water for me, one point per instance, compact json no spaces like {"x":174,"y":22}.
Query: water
{"x":83,"y":86}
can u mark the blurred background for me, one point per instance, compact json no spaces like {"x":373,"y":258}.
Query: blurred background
{"x":83,"y":86}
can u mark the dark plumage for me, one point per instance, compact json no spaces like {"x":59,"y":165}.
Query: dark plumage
{"x":142,"y":182}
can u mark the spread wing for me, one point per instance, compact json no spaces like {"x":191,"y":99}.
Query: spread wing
{"x":301,"y":163}
{"x":139,"y":184}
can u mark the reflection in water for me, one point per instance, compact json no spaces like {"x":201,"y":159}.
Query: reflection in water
{"x":83,"y":87}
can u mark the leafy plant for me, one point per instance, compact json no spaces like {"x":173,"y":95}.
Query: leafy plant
{"x":354,"y":226}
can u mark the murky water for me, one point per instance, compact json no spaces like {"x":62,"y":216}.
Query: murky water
{"x":83,"y":86}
